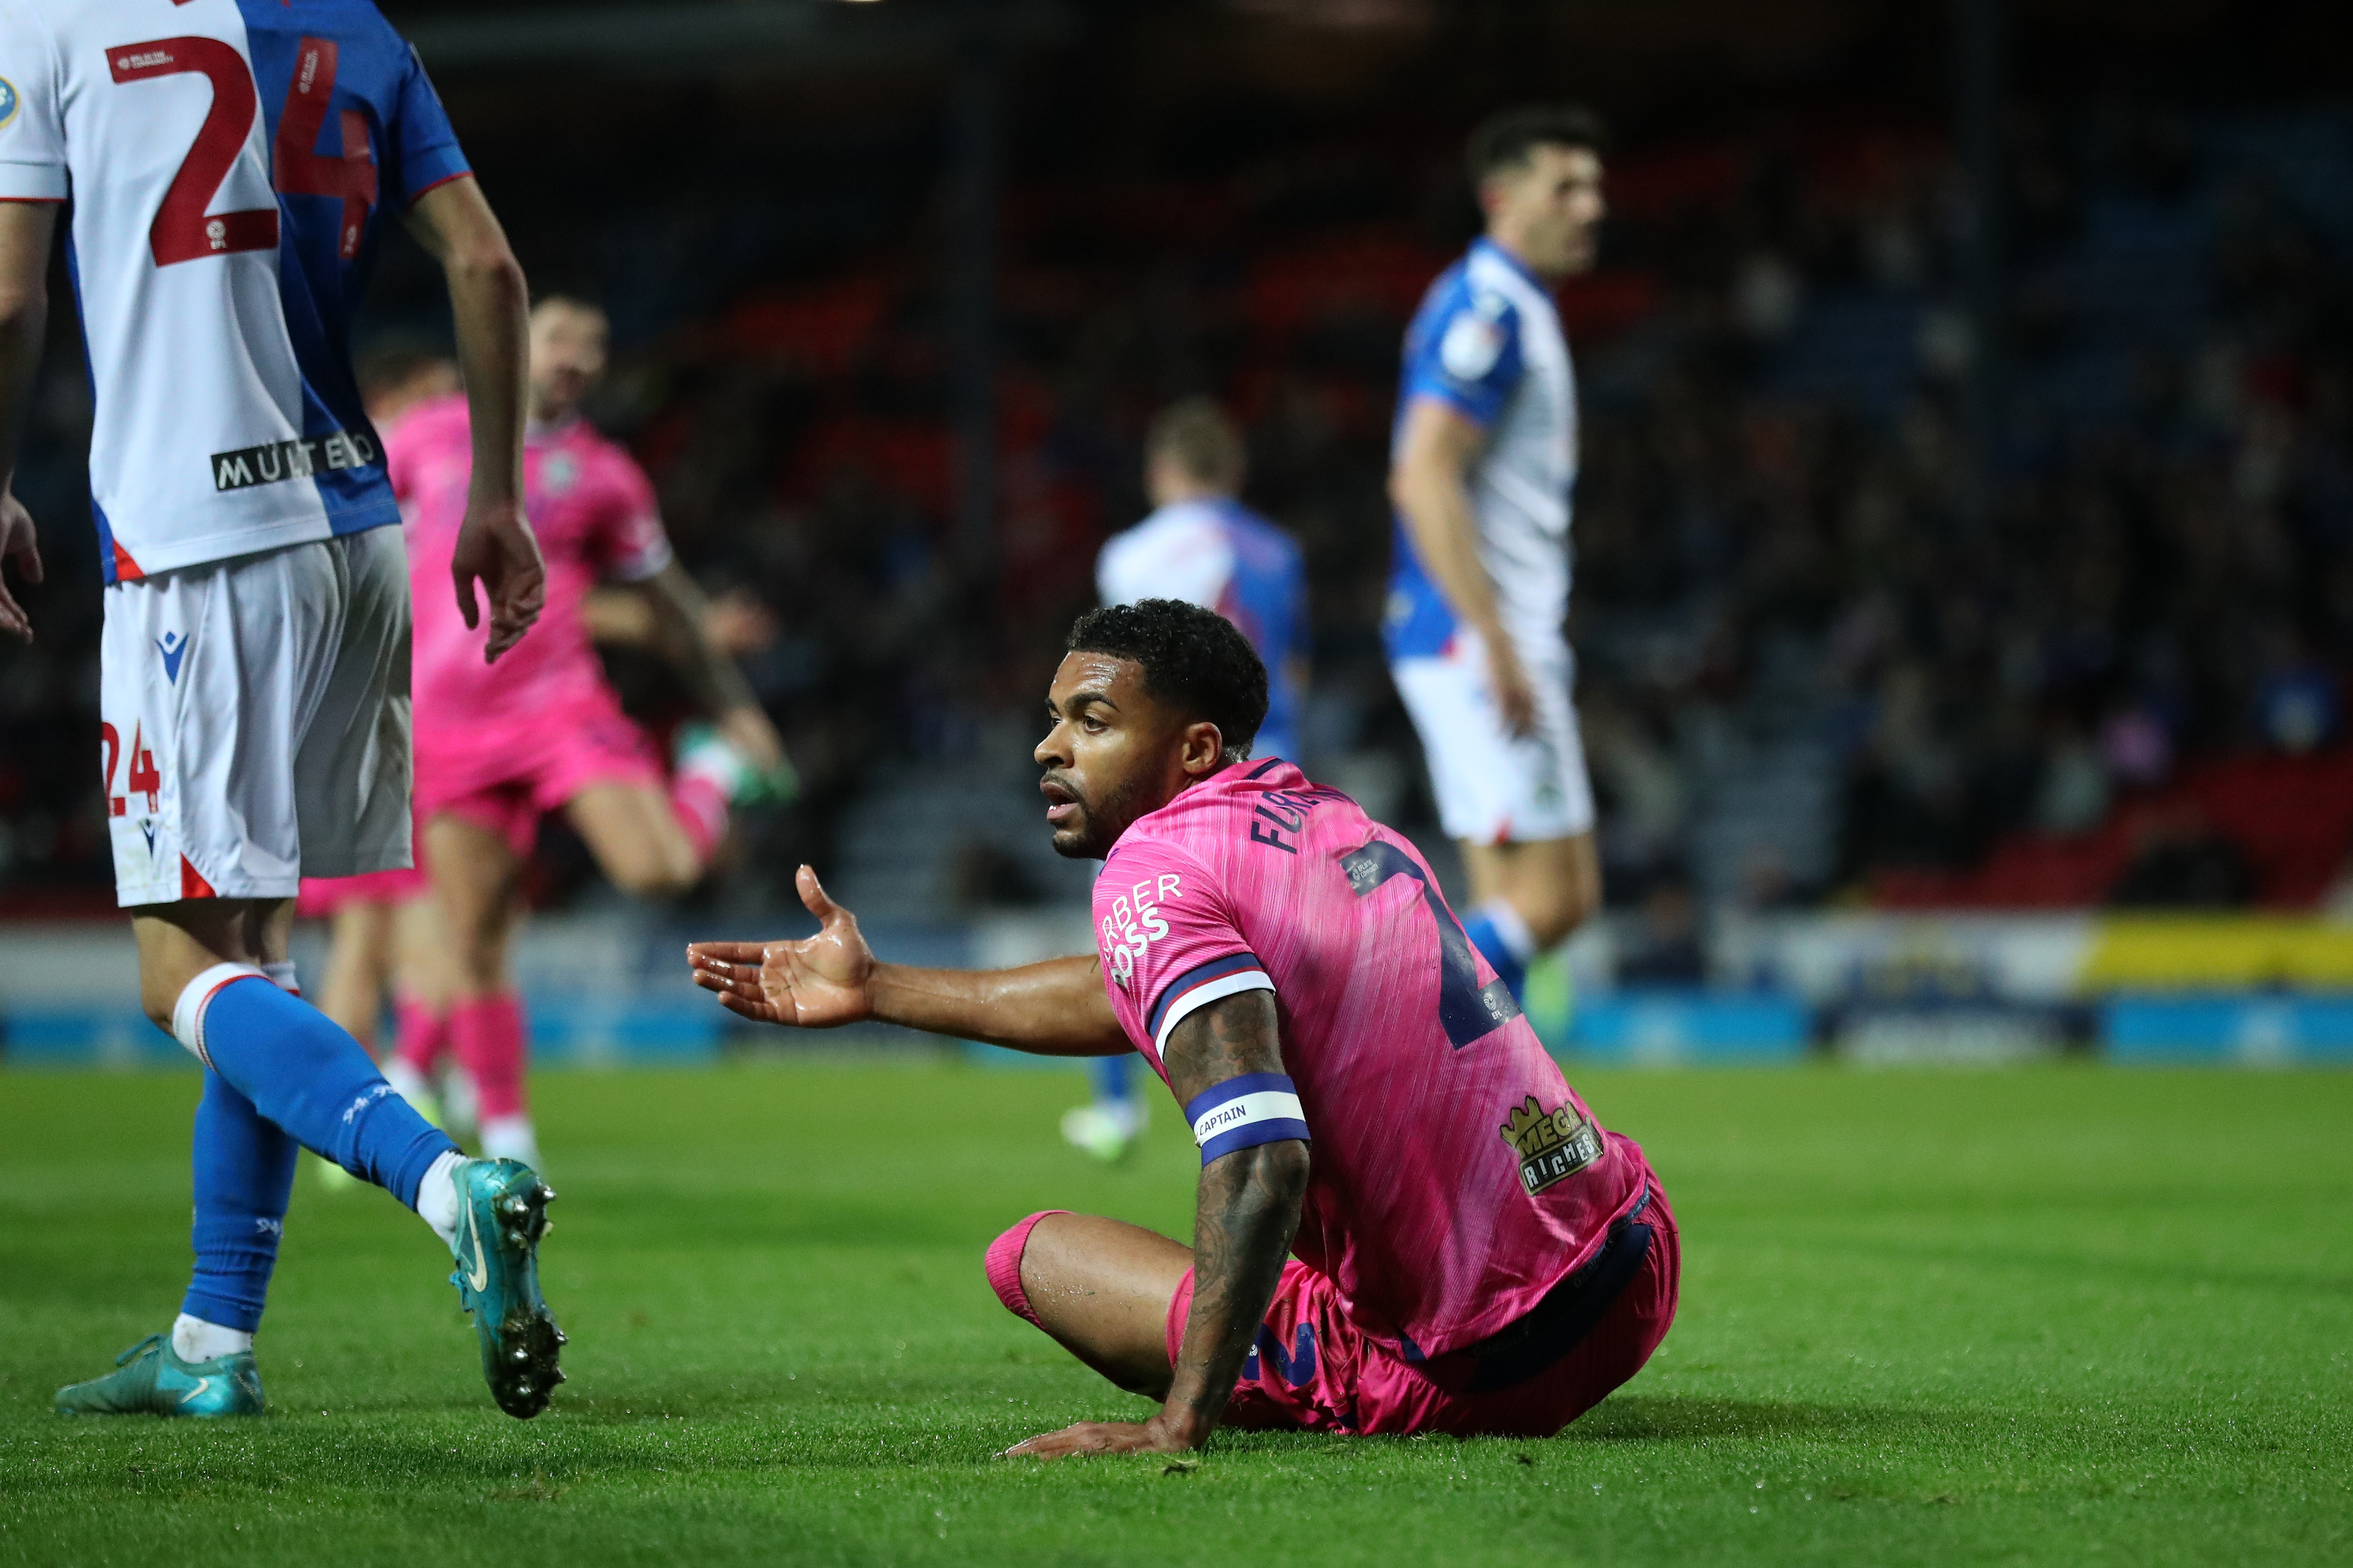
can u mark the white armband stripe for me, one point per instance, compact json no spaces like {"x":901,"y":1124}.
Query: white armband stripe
{"x":1201,"y":995}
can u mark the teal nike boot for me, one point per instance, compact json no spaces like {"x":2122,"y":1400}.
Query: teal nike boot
{"x":154,"y":1380}
{"x":502,"y":1214}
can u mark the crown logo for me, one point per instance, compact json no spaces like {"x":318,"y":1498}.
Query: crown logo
{"x":1552,"y":1144}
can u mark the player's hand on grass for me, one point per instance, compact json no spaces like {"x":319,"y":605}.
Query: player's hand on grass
{"x":17,"y":544}
{"x":818,"y":983}
{"x":1515,"y":694}
{"x":497,"y":548}
{"x":1157,"y":1436}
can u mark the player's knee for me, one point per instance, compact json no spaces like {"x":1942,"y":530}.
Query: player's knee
{"x":157,"y":997}
{"x":1557,"y":912}
{"x":653,"y":876}
{"x":1003,"y":1265}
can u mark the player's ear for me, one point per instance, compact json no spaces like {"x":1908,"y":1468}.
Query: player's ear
{"x":1205,"y":748}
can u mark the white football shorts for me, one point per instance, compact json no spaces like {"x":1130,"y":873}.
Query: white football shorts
{"x":256,"y":721}
{"x":1494,"y":787}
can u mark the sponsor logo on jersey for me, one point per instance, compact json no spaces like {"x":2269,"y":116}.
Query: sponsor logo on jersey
{"x":174,"y":647}
{"x":1553,"y":1145}
{"x":279,"y":460}
{"x":559,"y":473}
{"x":9,"y":103}
{"x":1133,"y":925}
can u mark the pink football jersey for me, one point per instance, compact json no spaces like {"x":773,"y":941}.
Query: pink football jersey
{"x":593,"y":511}
{"x":1455,"y":1175}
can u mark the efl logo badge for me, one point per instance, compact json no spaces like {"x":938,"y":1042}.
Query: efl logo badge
{"x":1553,"y":1145}
{"x":9,"y":103}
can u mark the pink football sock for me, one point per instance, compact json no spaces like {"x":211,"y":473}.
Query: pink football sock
{"x":700,"y":806}
{"x":1005,"y":1267}
{"x":488,"y":1037}
{"x":421,"y":1032}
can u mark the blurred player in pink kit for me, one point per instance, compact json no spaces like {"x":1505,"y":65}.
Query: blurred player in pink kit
{"x":1471,"y":1252}
{"x":381,"y":932}
{"x":500,"y":746}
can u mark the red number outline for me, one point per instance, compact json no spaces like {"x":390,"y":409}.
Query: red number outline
{"x":300,"y":169}
{"x":142,"y":778}
{"x":182,"y":230}
{"x":116,"y":805}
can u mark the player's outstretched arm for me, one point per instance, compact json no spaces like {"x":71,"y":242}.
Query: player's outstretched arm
{"x":1429,"y":488}
{"x":489,"y":302}
{"x":684,"y":622}
{"x":1055,"y":1008}
{"x":1246,"y":1212}
{"x":26,"y":231}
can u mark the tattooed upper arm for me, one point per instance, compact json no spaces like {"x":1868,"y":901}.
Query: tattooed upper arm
{"x":1232,"y":1035}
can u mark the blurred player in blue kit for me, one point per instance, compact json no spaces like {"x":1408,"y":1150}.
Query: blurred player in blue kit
{"x":229,"y":164}
{"x":1483,"y":462}
{"x":1201,"y":545}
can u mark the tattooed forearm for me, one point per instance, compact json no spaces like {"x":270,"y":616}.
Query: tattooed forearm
{"x":1248,"y":1208}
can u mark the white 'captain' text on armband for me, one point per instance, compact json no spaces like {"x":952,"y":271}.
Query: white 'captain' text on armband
{"x":1243,"y":1112}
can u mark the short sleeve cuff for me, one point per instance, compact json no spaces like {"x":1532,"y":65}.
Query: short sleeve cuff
{"x":645,"y":563}
{"x":1474,"y":404}
{"x":1200,"y":986}
{"x":32,"y":181}
{"x":433,"y":166}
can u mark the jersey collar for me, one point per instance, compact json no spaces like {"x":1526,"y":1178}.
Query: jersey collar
{"x":1508,"y":259}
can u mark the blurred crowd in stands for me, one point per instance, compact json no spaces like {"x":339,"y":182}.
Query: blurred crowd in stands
{"x":2024,"y":701}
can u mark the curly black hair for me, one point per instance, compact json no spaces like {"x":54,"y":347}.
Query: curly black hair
{"x":1194,"y":660}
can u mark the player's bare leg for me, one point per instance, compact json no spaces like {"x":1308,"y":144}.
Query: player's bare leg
{"x":634,"y":832}
{"x":1527,"y":897}
{"x":476,"y":882}
{"x":359,"y":968}
{"x":1102,"y":1289}
{"x":424,"y":989}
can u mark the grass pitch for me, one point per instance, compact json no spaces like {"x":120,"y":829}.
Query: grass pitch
{"x":2054,"y":1316}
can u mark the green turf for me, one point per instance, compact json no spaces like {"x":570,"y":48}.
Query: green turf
{"x":2057,"y":1316}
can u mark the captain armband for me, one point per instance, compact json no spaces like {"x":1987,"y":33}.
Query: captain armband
{"x":1245,"y":1111}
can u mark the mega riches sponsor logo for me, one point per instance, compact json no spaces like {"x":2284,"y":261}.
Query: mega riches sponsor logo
{"x":1553,"y":1145}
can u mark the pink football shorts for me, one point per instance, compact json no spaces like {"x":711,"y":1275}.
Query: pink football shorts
{"x":324,"y":897}
{"x":1313,"y":1369}
{"x":504,"y":778}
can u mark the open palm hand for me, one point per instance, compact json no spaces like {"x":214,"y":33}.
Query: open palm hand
{"x":818,"y":983}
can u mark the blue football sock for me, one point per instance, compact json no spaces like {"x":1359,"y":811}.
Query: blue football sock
{"x":245,"y":1174}
{"x":1114,"y":1078}
{"x":1487,"y":936}
{"x":302,"y":1072}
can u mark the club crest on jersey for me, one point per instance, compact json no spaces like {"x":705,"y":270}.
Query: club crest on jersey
{"x":1553,"y":1145}
{"x":173,"y":647}
{"x":9,"y":103}
{"x":1133,"y":925}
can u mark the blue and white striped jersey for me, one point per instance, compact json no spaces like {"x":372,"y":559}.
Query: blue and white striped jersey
{"x":229,"y":164}
{"x":1487,"y":342}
